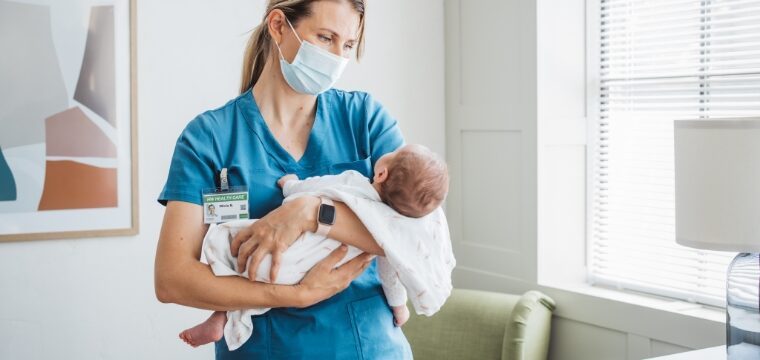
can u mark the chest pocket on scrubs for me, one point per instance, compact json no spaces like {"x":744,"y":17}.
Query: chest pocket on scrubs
{"x":364,"y":166}
{"x":263,"y":193}
{"x":376,"y":336}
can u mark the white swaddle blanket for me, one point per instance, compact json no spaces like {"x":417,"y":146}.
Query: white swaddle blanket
{"x":418,"y":258}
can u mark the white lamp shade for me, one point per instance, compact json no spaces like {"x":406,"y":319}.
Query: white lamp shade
{"x":717,"y":179}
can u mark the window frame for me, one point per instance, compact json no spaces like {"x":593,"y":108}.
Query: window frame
{"x":593,"y":110}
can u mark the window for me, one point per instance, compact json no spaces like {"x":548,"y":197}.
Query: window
{"x":661,"y":60}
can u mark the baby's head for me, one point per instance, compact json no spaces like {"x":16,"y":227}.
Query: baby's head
{"x":412,"y":180}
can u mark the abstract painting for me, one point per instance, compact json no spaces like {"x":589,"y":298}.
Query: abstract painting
{"x":68,"y":147}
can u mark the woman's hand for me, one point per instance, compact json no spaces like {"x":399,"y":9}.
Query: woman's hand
{"x":273,"y":234}
{"x":324,"y":280}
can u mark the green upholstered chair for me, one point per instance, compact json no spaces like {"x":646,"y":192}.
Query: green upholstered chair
{"x":483,"y":325}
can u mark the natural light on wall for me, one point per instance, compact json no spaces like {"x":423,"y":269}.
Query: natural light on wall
{"x":662,"y":60}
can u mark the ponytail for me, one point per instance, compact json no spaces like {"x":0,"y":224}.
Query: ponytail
{"x":256,"y":54}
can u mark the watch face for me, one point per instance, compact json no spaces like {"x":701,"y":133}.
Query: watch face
{"x":326,"y":214}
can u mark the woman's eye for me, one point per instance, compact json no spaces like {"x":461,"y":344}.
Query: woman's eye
{"x":324,"y":38}
{"x":348,"y":47}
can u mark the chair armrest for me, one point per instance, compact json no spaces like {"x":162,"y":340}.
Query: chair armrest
{"x":529,"y":328}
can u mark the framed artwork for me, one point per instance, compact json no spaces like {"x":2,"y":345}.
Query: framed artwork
{"x":68,"y":127}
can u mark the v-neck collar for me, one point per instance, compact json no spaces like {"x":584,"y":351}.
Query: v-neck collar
{"x":256,"y":121}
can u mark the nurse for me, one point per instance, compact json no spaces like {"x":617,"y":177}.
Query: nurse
{"x":287,"y":119}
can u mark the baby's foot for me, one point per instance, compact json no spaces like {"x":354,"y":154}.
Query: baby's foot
{"x":206,"y":332}
{"x":400,"y":314}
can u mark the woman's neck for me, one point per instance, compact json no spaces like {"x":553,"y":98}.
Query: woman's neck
{"x":278,"y":103}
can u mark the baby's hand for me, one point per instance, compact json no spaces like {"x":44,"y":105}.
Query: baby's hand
{"x":286,"y":178}
{"x":400,"y":314}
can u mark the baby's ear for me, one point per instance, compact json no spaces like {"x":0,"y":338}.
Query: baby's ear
{"x":381,"y":175}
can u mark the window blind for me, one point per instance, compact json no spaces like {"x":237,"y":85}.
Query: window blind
{"x":662,"y":60}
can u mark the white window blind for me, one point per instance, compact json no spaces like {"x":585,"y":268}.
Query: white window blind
{"x":662,"y":60}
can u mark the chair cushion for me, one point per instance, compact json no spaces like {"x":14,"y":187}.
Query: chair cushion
{"x":471,"y":325}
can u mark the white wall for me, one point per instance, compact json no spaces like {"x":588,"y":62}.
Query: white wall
{"x":93,"y":298}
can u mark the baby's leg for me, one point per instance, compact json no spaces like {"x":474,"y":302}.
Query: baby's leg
{"x":208,"y":331}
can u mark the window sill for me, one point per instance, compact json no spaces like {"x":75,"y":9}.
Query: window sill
{"x":674,"y":321}
{"x":658,"y":303}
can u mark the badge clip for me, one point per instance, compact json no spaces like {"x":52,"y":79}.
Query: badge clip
{"x":223,"y":182}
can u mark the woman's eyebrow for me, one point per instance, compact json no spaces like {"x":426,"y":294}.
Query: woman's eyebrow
{"x":334,"y":33}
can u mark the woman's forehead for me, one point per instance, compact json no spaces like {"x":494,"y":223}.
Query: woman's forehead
{"x":338,"y":17}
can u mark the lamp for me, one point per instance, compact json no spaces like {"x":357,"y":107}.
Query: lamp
{"x":717,"y":173}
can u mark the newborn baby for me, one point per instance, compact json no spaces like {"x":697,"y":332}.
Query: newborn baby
{"x":413,"y":181}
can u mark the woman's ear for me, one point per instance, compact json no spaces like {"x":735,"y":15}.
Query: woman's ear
{"x":381,"y":175}
{"x":276,"y":25}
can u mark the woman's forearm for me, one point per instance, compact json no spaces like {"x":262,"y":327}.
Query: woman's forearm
{"x":196,"y":286}
{"x":182,"y":279}
{"x":347,"y":229}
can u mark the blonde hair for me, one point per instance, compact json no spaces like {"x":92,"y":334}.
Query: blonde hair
{"x":260,"y":43}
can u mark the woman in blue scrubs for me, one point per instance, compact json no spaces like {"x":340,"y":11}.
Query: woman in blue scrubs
{"x":287,"y":120}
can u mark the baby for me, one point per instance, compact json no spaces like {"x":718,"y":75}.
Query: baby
{"x":412,"y":180}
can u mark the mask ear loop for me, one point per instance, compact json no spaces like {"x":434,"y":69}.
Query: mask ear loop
{"x":294,"y":33}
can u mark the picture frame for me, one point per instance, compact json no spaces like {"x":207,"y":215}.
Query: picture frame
{"x":68,"y":119}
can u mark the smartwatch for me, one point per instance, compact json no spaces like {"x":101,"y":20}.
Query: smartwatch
{"x":325,"y":216}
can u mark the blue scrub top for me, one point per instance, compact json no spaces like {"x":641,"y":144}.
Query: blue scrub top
{"x":350,"y":132}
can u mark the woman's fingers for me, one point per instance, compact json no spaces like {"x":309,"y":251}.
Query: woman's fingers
{"x":357,"y":265}
{"x":334,"y":257}
{"x":324,"y":280}
{"x":246,"y":249}
{"x":275,"y":268}
{"x":241,"y":237}
{"x":258,"y":255}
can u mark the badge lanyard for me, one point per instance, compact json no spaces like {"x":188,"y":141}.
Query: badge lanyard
{"x":225,"y":203}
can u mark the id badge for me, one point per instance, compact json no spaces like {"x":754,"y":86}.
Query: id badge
{"x":225,"y":203}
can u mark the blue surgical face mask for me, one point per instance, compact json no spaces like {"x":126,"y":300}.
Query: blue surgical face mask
{"x":314,"y":70}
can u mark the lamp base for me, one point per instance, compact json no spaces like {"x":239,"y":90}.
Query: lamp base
{"x":743,"y":307}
